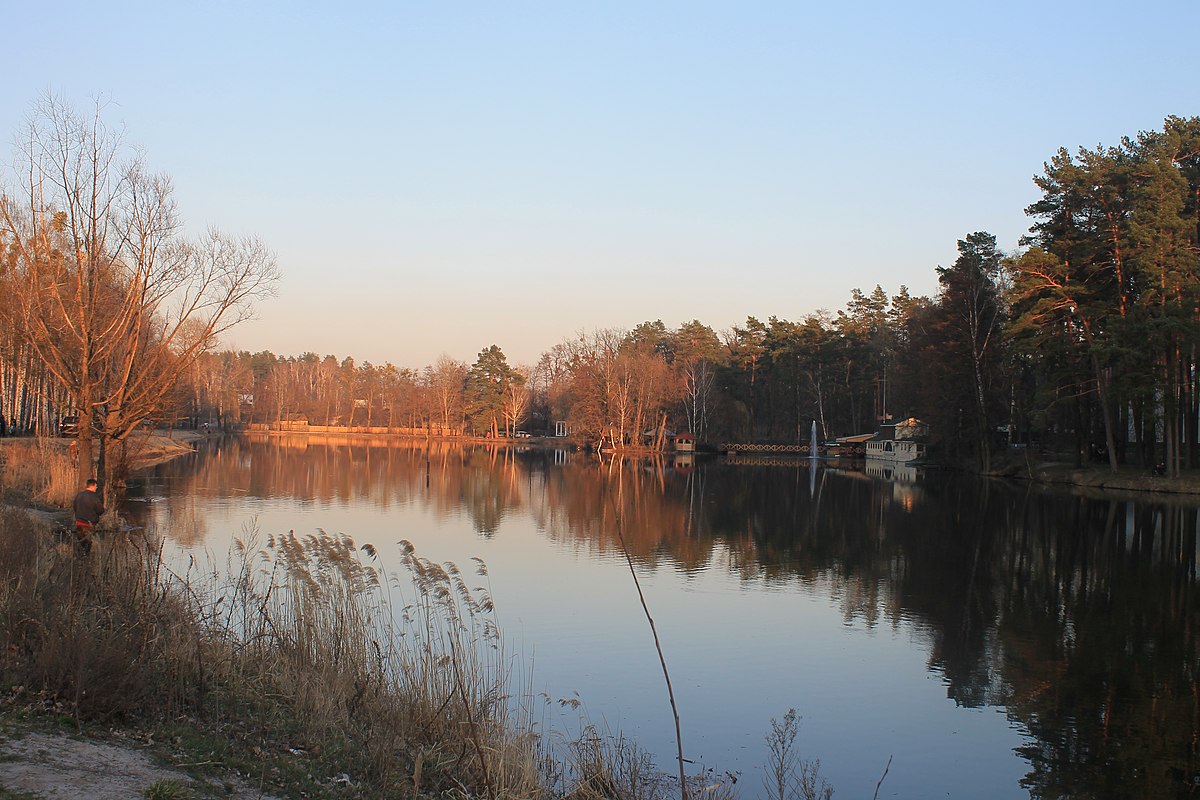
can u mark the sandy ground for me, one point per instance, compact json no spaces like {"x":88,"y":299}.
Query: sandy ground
{"x":57,"y":767}
{"x":148,"y":449}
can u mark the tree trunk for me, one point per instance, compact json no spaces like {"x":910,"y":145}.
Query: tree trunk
{"x":1110,"y":441}
{"x":84,"y":453}
{"x":1081,"y":433}
{"x":1192,"y":409}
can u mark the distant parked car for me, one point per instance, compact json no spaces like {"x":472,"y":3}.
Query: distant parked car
{"x":521,"y":434}
{"x":68,"y":426}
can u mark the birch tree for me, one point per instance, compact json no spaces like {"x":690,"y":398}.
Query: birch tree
{"x":444,"y":382}
{"x":516,"y":398}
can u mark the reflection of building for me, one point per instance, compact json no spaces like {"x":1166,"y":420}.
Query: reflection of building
{"x":902,"y":477}
{"x":891,"y":471}
{"x":898,"y":441}
{"x":684,"y":462}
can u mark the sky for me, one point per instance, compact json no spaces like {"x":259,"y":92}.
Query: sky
{"x":435,"y":178}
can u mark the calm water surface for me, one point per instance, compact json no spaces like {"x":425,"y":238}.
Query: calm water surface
{"x":994,"y":640}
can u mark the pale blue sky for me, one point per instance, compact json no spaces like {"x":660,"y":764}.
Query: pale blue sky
{"x":439,"y":177}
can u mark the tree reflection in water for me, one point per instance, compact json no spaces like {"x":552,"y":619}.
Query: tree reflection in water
{"x":1076,"y":614}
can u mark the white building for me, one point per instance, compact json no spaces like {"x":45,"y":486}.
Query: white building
{"x":901,"y":442}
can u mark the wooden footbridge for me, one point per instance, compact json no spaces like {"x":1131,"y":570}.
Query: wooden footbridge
{"x":734,"y":449}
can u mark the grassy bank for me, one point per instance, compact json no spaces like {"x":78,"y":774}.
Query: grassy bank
{"x":1130,"y":482}
{"x":300,"y":672}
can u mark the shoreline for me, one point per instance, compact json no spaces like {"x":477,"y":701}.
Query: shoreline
{"x":1096,"y":479}
{"x":1128,"y":480}
{"x":151,"y":448}
{"x":146,"y":449}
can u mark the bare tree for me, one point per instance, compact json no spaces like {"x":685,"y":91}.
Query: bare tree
{"x":516,"y":398}
{"x":444,"y":381}
{"x":106,"y":290}
{"x":699,"y":383}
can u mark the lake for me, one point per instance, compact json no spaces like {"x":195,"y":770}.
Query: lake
{"x":994,"y":639}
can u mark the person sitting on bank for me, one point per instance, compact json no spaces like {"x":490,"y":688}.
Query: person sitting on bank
{"x":89,"y":507}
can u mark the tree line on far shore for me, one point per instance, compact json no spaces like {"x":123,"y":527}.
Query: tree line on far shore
{"x":1083,"y":341}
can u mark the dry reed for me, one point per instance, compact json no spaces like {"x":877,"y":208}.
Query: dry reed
{"x":39,"y":469}
{"x":97,"y":634}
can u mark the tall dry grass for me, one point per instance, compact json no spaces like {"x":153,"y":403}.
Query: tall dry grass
{"x":98,"y":637}
{"x":38,"y":469}
{"x":304,"y":648}
{"x":407,"y":673}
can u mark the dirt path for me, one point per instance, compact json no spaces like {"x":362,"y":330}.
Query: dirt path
{"x":55,"y":767}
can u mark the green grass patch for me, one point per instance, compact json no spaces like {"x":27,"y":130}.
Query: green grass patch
{"x":166,"y":789}
{"x":8,"y":794}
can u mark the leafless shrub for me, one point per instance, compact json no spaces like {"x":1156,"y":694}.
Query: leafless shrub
{"x":788,"y":776}
{"x":607,"y":766}
{"x":611,"y":767}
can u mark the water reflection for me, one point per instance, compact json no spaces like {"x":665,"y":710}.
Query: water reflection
{"x":1076,"y":615}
